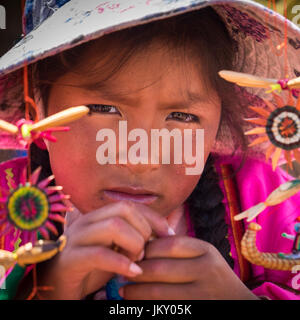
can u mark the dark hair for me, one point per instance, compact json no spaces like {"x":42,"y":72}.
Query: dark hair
{"x":207,"y":211}
{"x":199,"y":33}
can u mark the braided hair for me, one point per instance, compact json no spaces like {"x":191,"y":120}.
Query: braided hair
{"x":207,"y":211}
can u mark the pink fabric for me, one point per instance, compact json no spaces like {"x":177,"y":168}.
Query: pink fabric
{"x":255,"y":181}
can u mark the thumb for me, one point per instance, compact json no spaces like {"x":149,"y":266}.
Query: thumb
{"x":70,"y":217}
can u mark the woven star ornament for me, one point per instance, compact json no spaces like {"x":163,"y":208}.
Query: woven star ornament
{"x":278,"y":125}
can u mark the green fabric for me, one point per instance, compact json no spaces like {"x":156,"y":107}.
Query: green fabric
{"x":11,"y":283}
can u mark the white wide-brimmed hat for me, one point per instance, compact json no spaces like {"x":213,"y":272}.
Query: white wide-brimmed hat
{"x":54,"y":26}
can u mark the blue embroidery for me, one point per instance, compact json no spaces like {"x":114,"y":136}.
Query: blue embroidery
{"x":170,"y":1}
{"x":36,"y":11}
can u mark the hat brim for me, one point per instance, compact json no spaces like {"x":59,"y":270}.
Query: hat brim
{"x":257,"y":30}
{"x":253,"y":25}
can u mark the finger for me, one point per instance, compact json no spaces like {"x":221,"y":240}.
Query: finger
{"x":71,"y":217}
{"x":176,"y":247}
{"x":169,"y":270}
{"x":140,"y":216}
{"x":158,"y":291}
{"x":159,"y":224}
{"x":104,"y":259}
{"x":111,"y":231}
{"x":133,"y":257}
{"x":125,"y":209}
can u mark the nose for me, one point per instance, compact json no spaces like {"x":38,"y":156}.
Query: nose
{"x":136,"y":155}
{"x":138,"y":169}
{"x":135,"y":152}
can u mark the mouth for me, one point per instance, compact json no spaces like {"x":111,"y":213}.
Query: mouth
{"x":131,"y":194}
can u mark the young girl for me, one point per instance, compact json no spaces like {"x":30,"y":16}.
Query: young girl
{"x":160,"y":74}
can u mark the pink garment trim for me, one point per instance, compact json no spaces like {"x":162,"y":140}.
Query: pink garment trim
{"x":233,"y":251}
{"x":274,"y":292}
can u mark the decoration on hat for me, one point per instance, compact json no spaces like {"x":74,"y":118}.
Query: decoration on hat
{"x":28,"y":131}
{"x":280,"y":123}
{"x":249,"y":80}
{"x":275,"y":261}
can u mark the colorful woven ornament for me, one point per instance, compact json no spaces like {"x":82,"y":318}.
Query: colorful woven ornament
{"x":280,"y":125}
{"x":30,"y":207}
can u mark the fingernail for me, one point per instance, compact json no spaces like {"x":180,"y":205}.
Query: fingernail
{"x":134,"y":268}
{"x":141,"y":256}
{"x":121,"y":292}
{"x":171,"y":231}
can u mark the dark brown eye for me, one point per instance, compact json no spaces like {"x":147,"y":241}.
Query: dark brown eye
{"x":183,"y":117}
{"x":103,"y":108}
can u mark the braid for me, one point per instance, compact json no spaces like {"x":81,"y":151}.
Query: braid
{"x":207,"y":211}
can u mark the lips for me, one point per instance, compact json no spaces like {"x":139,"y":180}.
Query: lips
{"x":131,"y":194}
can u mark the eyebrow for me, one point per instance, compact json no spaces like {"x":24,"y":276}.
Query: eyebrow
{"x":190,"y":98}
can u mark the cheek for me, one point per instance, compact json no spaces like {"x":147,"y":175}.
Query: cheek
{"x":73,"y":160}
{"x":180,"y":185}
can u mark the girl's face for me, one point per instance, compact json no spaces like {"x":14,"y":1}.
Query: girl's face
{"x":152,"y":91}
